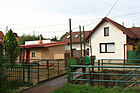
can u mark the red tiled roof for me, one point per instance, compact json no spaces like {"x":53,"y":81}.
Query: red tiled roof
{"x":127,"y":31}
{"x":136,"y":31}
{"x":43,"y":45}
{"x":75,"y":39}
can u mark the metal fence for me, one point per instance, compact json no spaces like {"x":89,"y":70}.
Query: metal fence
{"x":36,"y":71}
{"x":108,"y":73}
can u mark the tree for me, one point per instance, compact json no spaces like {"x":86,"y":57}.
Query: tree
{"x":10,"y":46}
{"x":3,"y":76}
{"x":23,"y":38}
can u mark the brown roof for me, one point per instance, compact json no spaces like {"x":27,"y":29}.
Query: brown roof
{"x":127,"y":31}
{"x":136,"y":31}
{"x":1,"y":35}
{"x":75,"y":39}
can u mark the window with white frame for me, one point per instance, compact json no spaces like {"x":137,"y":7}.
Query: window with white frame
{"x":107,"y":47}
{"x":33,"y":54}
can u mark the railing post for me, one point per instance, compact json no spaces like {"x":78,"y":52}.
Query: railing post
{"x":38,"y":72}
{"x":89,"y":78}
{"x":98,"y":65}
{"x":23,"y":65}
{"x":28,"y":71}
{"x":58,"y":67}
{"x":69,"y":75}
{"x":102,"y":64}
{"x":48,"y":68}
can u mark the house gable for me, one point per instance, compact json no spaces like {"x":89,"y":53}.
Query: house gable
{"x":116,"y":37}
{"x":125,"y":30}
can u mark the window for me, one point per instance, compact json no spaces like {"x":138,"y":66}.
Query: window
{"x":106,"y":31}
{"x":68,"y":36}
{"x":82,"y":35}
{"x":33,"y":54}
{"x":76,"y":36}
{"x":107,"y":47}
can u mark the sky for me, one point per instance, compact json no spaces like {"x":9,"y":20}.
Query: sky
{"x":51,"y":17}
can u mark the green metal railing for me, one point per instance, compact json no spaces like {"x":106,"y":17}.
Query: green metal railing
{"x":124,"y":77}
{"x":36,"y":71}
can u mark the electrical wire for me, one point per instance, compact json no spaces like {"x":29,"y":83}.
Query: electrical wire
{"x":112,"y":8}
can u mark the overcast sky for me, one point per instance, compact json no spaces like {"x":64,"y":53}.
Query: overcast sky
{"x":50,"y":17}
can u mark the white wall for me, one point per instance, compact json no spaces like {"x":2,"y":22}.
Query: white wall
{"x":75,"y":46}
{"x":36,"y":42}
{"x":115,"y":35}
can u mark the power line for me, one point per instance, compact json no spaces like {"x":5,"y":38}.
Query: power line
{"x":112,"y":8}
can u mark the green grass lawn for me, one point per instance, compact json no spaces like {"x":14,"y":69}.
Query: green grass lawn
{"x":70,"y":88}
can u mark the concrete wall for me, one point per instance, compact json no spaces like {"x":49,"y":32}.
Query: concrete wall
{"x":115,"y":35}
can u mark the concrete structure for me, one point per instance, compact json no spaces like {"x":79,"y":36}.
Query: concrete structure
{"x":111,"y":40}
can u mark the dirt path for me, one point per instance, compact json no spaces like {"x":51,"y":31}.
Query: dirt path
{"x":49,"y":86}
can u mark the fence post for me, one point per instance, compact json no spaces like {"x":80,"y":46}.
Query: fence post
{"x":23,"y":65}
{"x":98,"y":65}
{"x":69,"y":75}
{"x":58,"y":67}
{"x":28,"y":71}
{"x":89,"y":78}
{"x":48,"y":67}
{"x":102,"y":64}
{"x":38,"y":72}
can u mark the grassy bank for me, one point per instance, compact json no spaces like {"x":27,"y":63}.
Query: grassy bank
{"x":70,"y":88}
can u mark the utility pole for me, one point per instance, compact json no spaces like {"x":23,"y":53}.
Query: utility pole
{"x":70,"y":38}
{"x":90,"y":45}
{"x":84,"y":40}
{"x":80,"y":40}
{"x":33,"y":35}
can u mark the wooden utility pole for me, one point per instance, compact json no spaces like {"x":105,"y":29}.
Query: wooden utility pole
{"x":90,"y":45}
{"x":71,"y":51}
{"x":80,"y":40}
{"x":84,"y":40}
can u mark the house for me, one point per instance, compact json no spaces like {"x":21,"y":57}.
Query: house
{"x":111,"y":40}
{"x":75,"y":43}
{"x":1,"y":36}
{"x":40,"y":50}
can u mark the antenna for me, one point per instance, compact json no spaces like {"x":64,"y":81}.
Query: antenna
{"x":133,"y":23}
{"x":6,"y":30}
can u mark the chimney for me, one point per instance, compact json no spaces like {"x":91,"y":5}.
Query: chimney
{"x":40,"y":42}
{"x":123,"y":23}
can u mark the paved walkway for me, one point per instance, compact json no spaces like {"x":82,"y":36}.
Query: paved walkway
{"x":49,"y":86}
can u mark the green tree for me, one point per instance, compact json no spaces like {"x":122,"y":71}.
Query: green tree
{"x":3,"y":76}
{"x":10,"y":46}
{"x":23,"y":38}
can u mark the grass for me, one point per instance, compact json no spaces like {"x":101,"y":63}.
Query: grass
{"x":71,"y":88}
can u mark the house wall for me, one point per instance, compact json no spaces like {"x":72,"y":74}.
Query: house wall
{"x":115,"y":35}
{"x":55,"y":52}
{"x":75,"y":46}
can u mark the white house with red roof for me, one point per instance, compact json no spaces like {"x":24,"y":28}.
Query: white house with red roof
{"x":111,"y":40}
